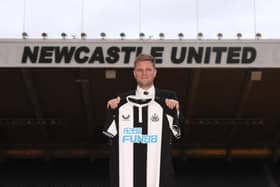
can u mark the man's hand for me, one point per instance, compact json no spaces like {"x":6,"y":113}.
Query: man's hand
{"x":113,"y":103}
{"x":172,"y":103}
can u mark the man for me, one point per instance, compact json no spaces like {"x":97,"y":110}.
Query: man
{"x":141,"y":123}
{"x":144,"y":74}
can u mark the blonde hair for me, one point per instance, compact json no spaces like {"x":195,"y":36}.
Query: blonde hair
{"x":145,"y":57}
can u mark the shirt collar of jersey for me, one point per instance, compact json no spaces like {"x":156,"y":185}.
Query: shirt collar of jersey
{"x":149,"y":100}
{"x":140,"y":92}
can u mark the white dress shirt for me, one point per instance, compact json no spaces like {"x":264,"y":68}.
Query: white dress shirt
{"x":151,"y":92}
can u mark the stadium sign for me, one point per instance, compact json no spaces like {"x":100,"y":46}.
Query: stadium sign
{"x":121,"y":54}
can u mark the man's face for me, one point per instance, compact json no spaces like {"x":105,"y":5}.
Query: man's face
{"x":144,"y":73}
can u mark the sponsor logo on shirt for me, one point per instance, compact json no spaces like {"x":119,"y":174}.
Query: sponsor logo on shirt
{"x":126,"y":118}
{"x":134,"y":135}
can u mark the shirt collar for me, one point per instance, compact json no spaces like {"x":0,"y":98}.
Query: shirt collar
{"x":140,"y":92}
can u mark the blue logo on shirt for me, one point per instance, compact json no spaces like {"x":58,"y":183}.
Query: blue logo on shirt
{"x":134,"y":135}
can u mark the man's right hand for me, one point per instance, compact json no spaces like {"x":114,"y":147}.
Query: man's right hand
{"x":113,"y":103}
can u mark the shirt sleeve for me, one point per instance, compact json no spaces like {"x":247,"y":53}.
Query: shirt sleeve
{"x":172,"y":95}
{"x":110,"y":129}
{"x":174,"y":123}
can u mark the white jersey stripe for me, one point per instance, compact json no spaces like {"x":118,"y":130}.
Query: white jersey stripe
{"x":154,"y":150}
{"x":125,"y":149}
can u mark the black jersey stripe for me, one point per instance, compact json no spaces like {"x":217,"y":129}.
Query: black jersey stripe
{"x":140,"y":150}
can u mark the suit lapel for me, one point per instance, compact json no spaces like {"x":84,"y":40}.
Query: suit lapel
{"x":157,"y":94}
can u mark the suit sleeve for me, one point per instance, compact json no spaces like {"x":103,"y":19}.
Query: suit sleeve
{"x":110,"y":128}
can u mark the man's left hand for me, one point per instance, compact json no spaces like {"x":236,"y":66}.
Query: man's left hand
{"x":172,"y":103}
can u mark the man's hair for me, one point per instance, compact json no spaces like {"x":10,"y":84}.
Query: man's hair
{"x":145,"y":57}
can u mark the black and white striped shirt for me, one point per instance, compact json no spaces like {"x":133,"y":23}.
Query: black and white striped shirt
{"x":141,"y":130}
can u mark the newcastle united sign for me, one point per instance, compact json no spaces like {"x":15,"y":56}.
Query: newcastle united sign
{"x":121,"y":53}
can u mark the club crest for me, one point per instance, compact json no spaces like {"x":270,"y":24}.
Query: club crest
{"x":154,"y":117}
